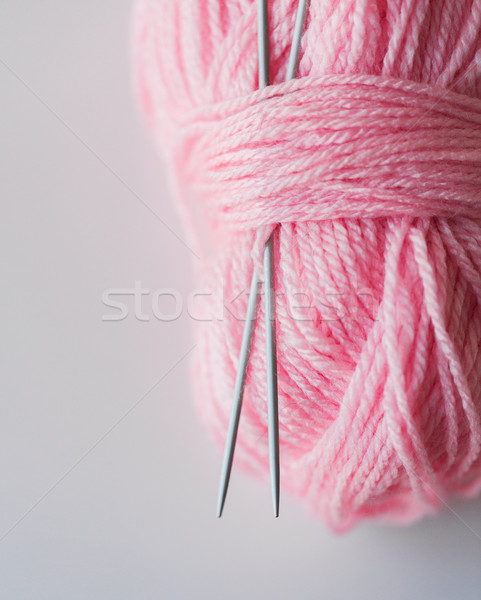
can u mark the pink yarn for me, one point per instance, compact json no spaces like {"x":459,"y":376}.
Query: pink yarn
{"x":368,"y":169}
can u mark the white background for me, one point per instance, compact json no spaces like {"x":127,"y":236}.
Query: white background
{"x":108,"y":483}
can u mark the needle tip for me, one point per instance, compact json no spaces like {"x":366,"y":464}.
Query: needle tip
{"x":275,"y":495}
{"x":220,"y":505}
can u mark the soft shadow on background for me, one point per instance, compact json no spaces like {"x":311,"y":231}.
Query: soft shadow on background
{"x":108,"y":482}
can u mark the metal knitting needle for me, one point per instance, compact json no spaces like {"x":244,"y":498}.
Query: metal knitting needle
{"x":269,"y":293}
{"x":263,"y":76}
{"x":273,"y":419}
{"x":270,"y":302}
{"x":296,"y":39}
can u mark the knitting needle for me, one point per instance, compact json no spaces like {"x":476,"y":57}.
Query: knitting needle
{"x":270,"y":299}
{"x":296,"y":39}
{"x":263,"y":75}
{"x":253,"y":296}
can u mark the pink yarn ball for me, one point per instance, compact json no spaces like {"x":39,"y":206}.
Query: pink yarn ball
{"x":368,"y":170}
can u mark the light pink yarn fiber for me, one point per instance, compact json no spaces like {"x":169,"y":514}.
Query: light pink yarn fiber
{"x":368,"y":169}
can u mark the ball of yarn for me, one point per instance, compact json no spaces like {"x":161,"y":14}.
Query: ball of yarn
{"x":367,"y":169}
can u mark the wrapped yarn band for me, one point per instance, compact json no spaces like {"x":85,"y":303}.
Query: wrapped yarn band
{"x":338,"y":146}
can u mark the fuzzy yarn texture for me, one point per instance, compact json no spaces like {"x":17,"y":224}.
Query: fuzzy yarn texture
{"x":367,"y":168}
